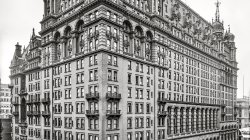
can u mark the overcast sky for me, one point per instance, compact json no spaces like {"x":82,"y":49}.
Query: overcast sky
{"x":18,"y":17}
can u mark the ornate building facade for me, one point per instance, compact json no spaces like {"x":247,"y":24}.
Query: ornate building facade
{"x":154,"y":65}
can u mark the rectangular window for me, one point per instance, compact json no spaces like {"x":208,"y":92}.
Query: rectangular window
{"x":80,"y":123}
{"x":109,"y":59}
{"x":80,"y":92}
{"x":129,"y":122}
{"x":129,"y":106}
{"x":80,"y":107}
{"x":80,"y":136}
{"x":129,"y":93}
{"x":129,"y":78}
{"x":129,"y":65}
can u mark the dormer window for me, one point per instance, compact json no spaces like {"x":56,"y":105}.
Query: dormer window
{"x":96,"y":14}
{"x":108,"y":14}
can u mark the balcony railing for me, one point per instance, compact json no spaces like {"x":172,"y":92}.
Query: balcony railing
{"x":15,"y":102}
{"x":162,"y":113}
{"x":15,"y":113}
{"x":46,"y":100}
{"x":36,"y":113}
{"x":113,"y":113}
{"x":23,"y":123}
{"x":36,"y":101}
{"x":162,"y":100}
{"x":92,"y":96}
{"x":29,"y":102}
{"x":113,"y":96}
{"x":92,"y":113}
{"x":29,"y":113}
{"x":46,"y":113}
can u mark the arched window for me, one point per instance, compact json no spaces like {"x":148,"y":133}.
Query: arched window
{"x":148,"y":47}
{"x":68,"y":41}
{"x":127,"y":28}
{"x":80,"y":43}
{"x":138,"y":40}
{"x":58,"y":50}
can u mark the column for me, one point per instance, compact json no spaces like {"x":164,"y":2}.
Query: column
{"x":190,"y":113}
{"x":172,"y":120}
{"x":199,"y":119}
{"x":212,"y":119}
{"x":208,"y":118}
{"x":184,"y":120}
{"x":178,"y":120}
{"x":195,"y":119}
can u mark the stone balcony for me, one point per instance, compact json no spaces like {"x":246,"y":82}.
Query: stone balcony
{"x":46,"y":100}
{"x":113,"y":96}
{"x":162,"y":100}
{"x":92,"y":96}
{"x":162,"y":113}
{"x":46,"y":113}
{"x":92,"y":113}
{"x":113,"y":113}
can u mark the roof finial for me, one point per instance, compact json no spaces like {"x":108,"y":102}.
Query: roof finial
{"x":229,"y":28}
{"x":217,"y":14}
{"x":33,"y":33}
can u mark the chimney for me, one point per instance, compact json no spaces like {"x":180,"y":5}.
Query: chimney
{"x":18,"y":50}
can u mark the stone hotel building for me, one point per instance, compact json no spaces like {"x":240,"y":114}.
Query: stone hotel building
{"x":125,"y":70}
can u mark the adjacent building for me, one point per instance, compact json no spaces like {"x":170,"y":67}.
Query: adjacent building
{"x":5,"y":101}
{"x":5,"y":112}
{"x":243,"y":108}
{"x":243,"y":117}
{"x":125,"y":70}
